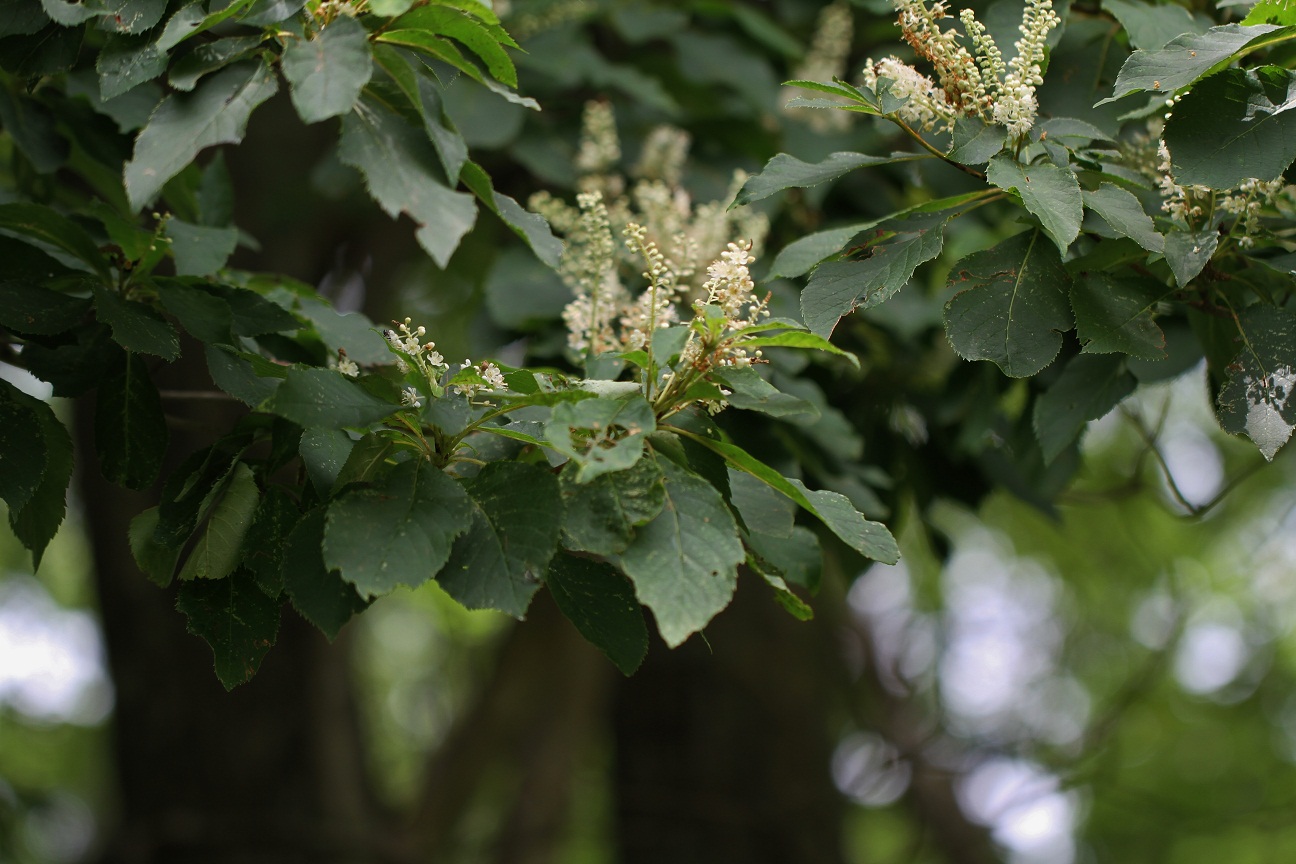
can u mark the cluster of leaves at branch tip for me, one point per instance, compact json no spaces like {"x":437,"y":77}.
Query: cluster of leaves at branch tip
{"x":1139,"y":215}
{"x":489,"y":479}
{"x":616,"y":488}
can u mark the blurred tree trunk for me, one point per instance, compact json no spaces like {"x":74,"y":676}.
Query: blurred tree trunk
{"x":723,"y":745}
{"x":274,"y":770}
{"x":270,"y":772}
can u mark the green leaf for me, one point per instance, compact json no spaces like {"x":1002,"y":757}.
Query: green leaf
{"x":264,"y":12}
{"x":1256,"y":400}
{"x":155,"y":561}
{"x":1281,"y":12}
{"x":799,"y":256}
{"x":390,"y":8}
{"x":220,"y":540}
{"x":1233,"y":126}
{"x":366,"y":459}
{"x":200,"y":250}
{"x":327,"y":72}
{"x":1188,"y":251}
{"x":1072,"y":132}
{"x":398,"y":532}
{"x":870,"y":539}
{"x":32,"y":129}
{"x":1126,"y":216}
{"x":800,"y":339}
{"x":188,"y":492}
{"x":216,"y":112}
{"x":838,"y":88}
{"x":974,"y":141}
{"x":29,"y":308}
{"x":136,"y":16}
{"x":318,"y":593}
{"x":324,"y":451}
{"x":21,"y":18}
{"x":326,"y":399}
{"x":482,"y":39}
{"x":125,"y":62}
{"x":1151,"y":25}
{"x":601,"y":435}
{"x":787,"y":172}
{"x":251,"y":314}
{"x":195,"y":18}
{"x":23,"y":452}
{"x":601,"y":604}
{"x":837,"y":288}
{"x":1050,"y":193}
{"x":400,"y":169}
{"x":1089,"y":387}
{"x":429,"y":43}
{"x":750,"y":392}
{"x":135,"y":326}
{"x":1015,"y":310}
{"x":499,"y":562}
{"x":48,"y":226}
{"x":764,"y":510}
{"x":424,"y":94}
{"x":797,"y":557}
{"x":51,"y":50}
{"x":684,"y":563}
{"x":531,"y":227}
{"x":204,"y":316}
{"x":209,"y":57}
{"x":264,"y":543}
{"x":1186,"y":58}
{"x":236,"y":619}
{"x":130,"y":428}
{"x":249,"y":378}
{"x":351,"y":331}
{"x":1114,"y":316}
{"x":38,"y":520}
{"x":136,"y":243}
{"x":794,"y":605}
{"x":601,"y":515}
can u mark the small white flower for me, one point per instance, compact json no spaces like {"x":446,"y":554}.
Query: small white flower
{"x":492,"y":375}
{"x":410,"y":397}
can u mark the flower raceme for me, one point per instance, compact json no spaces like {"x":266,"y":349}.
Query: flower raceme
{"x":976,"y":83}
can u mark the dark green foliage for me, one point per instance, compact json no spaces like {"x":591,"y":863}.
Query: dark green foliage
{"x":236,"y":619}
{"x":602,"y":605}
{"x":497,"y":480}
{"x":1012,"y":305}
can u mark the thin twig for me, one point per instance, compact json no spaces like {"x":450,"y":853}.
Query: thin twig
{"x":210,"y":395}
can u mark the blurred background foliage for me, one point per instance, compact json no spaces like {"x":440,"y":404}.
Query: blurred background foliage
{"x":1087,"y":662}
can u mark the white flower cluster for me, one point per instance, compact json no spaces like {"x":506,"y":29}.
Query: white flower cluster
{"x":490,"y":374}
{"x":731,"y":288}
{"x":655,"y":307}
{"x":587,"y":266}
{"x":1188,"y":204}
{"x":926,"y":107}
{"x":661,"y":224}
{"x":1015,"y":106}
{"x":600,"y":148}
{"x":973,"y":83}
{"x":1246,"y":201}
{"x":344,"y":364}
{"x":825,"y":60}
{"x":662,"y":158}
{"x":412,"y":349}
